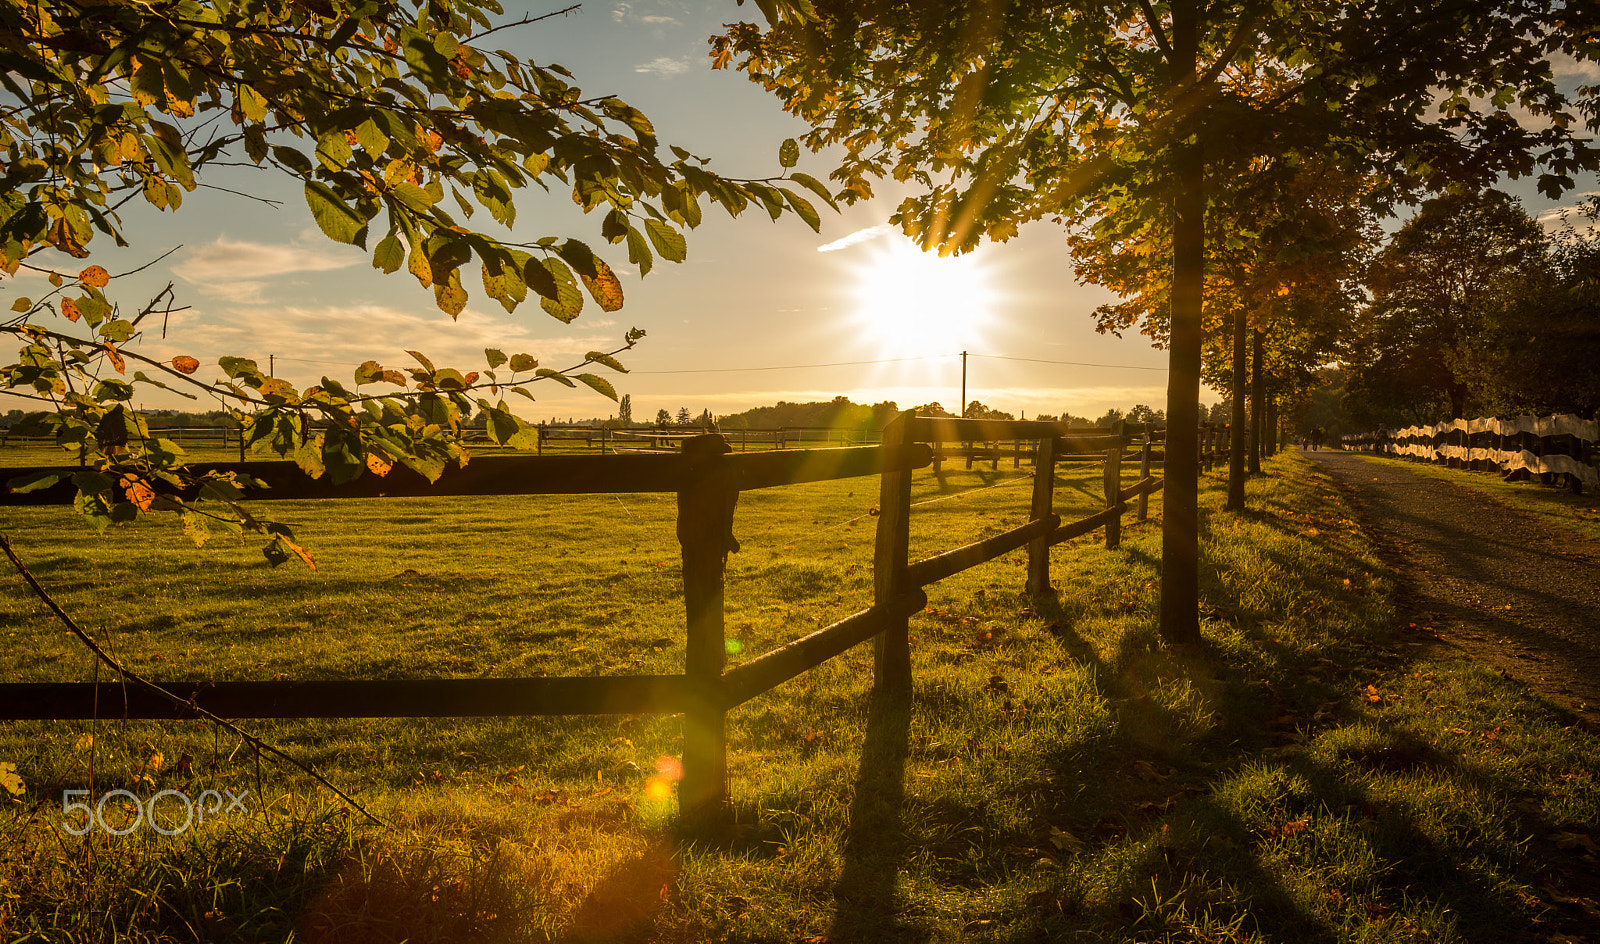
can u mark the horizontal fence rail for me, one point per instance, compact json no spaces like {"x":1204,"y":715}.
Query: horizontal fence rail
{"x":1547,"y":446}
{"x":707,"y":478}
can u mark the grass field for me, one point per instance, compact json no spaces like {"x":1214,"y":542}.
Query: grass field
{"x":1056,"y":773}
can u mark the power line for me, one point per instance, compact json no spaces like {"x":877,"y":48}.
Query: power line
{"x":883,"y":360}
{"x":892,"y":360}
{"x":733,"y":370}
{"x":1035,"y":360}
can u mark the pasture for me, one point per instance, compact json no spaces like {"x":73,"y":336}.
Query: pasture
{"x":1313,"y":774}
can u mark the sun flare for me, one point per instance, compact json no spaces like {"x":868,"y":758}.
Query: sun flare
{"x":911,"y":303}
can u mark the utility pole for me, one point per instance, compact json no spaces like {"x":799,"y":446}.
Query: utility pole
{"x":962,"y":406}
{"x":272,"y":365}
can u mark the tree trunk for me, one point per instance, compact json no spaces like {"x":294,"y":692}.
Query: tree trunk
{"x":1257,"y":418}
{"x":1180,"y":517}
{"x":1236,"y":418}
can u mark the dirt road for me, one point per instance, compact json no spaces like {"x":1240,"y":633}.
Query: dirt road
{"x":1507,"y":589}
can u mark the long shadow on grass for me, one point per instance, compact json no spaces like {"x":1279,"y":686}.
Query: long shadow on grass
{"x":865,"y":898}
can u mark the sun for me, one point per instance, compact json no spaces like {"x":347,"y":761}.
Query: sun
{"x":912,"y":303}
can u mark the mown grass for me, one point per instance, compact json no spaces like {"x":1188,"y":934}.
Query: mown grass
{"x":1056,"y":773}
{"x":1552,"y":505}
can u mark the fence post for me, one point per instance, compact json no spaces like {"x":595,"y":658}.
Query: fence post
{"x":892,"y":647}
{"x":705,"y":531}
{"x":1144,"y":473}
{"x":1044,"y":489}
{"x":1113,"y":485}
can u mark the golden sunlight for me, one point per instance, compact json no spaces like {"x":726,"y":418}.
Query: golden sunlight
{"x":911,"y":303}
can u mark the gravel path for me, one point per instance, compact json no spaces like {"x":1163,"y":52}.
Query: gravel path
{"x":1508,"y":590}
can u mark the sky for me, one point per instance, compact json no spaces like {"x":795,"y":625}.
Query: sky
{"x":761,"y":311}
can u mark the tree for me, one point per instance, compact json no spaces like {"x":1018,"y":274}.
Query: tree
{"x":1434,"y":287}
{"x":1003,"y":114}
{"x":684,"y":418}
{"x":1538,"y":349}
{"x":625,"y":411}
{"x":663,"y":419}
{"x":380,"y":110}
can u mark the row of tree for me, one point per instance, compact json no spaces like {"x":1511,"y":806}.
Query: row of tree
{"x":1476,"y":309}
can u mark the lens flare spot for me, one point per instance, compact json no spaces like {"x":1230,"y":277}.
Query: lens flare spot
{"x":669,"y":767}
{"x":658,"y":789}
{"x":733,"y":646}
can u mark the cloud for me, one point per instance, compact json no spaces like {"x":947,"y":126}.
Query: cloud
{"x":664,"y":67}
{"x":1563,"y":65}
{"x":658,"y":21}
{"x":859,"y":236}
{"x":312,"y":341}
{"x":237,"y":270}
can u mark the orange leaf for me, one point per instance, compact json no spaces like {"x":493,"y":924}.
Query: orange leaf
{"x":394,"y":377}
{"x":96,"y":276}
{"x":185,"y":364}
{"x":116,"y":360}
{"x":138,"y":491}
{"x":471,"y":378}
{"x":69,"y":309}
{"x":378,"y":464}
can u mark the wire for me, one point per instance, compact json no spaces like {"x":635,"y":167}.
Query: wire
{"x":732,"y":370}
{"x":1035,"y":360}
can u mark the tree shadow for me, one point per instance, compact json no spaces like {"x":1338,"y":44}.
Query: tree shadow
{"x":865,"y":896}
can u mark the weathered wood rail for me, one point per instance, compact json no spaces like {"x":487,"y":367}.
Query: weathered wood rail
{"x":1521,"y":447}
{"x":707,"y":478}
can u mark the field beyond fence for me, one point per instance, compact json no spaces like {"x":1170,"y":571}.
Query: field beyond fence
{"x":1053,"y":772}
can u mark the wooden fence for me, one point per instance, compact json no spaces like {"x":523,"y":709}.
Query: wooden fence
{"x":707,"y":478}
{"x":1547,"y":446}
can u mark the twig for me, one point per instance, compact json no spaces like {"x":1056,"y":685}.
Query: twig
{"x":523,"y":22}
{"x":130,"y":676}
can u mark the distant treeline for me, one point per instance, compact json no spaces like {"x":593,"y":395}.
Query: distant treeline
{"x":838,"y":413}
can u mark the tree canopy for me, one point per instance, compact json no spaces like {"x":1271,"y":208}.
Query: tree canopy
{"x":1109,"y":114}
{"x":411,"y":135}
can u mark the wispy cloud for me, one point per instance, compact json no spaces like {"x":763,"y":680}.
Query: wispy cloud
{"x":664,"y":67}
{"x":237,"y":270}
{"x":311,"y":341}
{"x":859,"y":236}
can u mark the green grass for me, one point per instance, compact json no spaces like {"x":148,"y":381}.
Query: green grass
{"x":1056,"y":773}
{"x":1551,"y":505}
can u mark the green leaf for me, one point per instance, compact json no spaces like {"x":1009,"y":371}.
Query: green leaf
{"x":804,"y":209}
{"x":333,"y":151}
{"x":238,"y":366}
{"x":812,"y":184}
{"x":639,"y":251}
{"x":522,"y":362}
{"x":369,"y":372}
{"x":33,"y":481}
{"x":494,"y":357}
{"x":338,"y":222}
{"x":789,"y":153}
{"x":668,"y":241}
{"x":426,"y":364}
{"x":555,"y":375}
{"x":596,"y":357}
{"x":389,"y":255}
{"x":117,"y":331}
{"x":600,"y":384}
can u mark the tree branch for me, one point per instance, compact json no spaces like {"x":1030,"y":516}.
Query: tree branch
{"x":130,"y":676}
